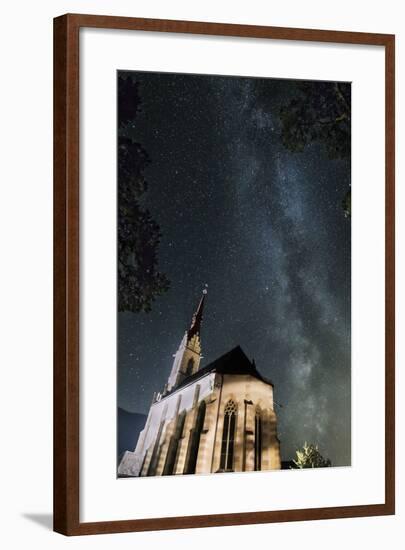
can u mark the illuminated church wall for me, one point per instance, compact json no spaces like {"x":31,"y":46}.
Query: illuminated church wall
{"x":219,"y":418}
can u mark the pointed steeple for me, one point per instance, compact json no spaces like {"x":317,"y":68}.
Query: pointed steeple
{"x":195,"y":326}
{"x":188,"y":356}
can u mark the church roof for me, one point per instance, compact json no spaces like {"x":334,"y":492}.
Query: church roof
{"x":233,"y":362}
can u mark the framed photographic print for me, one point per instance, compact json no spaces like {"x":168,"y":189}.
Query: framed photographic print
{"x":224,"y":274}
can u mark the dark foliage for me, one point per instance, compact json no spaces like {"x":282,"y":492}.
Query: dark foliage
{"x":139,"y":281}
{"x":128,"y":100}
{"x":319,"y":112}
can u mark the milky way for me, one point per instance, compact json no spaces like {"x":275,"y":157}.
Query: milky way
{"x":265,"y":229}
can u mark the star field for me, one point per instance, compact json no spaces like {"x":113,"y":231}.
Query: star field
{"x":264,"y":228}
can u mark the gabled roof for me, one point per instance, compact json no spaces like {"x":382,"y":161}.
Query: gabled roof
{"x":233,"y":362}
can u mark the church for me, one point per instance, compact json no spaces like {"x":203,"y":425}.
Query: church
{"x":219,"y":418}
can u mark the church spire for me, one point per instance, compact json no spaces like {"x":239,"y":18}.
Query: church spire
{"x":195,"y":327}
{"x":188,"y":356}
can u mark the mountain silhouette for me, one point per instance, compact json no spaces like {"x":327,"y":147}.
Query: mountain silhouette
{"x":129,"y":426}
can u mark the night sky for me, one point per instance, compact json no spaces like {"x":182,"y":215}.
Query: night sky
{"x":264,"y":227}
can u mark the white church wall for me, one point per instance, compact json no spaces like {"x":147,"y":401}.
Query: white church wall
{"x":187,"y":396}
{"x":164,"y":410}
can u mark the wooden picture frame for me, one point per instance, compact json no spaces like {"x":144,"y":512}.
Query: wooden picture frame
{"x":66,"y":273}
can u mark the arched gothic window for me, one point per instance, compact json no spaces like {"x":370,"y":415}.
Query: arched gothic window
{"x":194,"y":442}
{"x":258,"y":439}
{"x":228,"y":437}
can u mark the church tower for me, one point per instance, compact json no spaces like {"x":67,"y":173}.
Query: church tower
{"x":188,"y":356}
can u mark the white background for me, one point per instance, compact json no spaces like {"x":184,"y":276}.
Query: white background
{"x":363,"y":483}
{"x":26,"y":290}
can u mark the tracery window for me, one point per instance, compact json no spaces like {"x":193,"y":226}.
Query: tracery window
{"x":228,"y":437}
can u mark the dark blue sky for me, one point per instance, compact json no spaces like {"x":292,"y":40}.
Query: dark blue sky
{"x":265,"y":229}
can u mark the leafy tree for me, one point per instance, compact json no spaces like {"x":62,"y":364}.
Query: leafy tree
{"x":129,"y":101}
{"x":310,"y":457}
{"x":319,"y":112}
{"x":139,"y":281}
